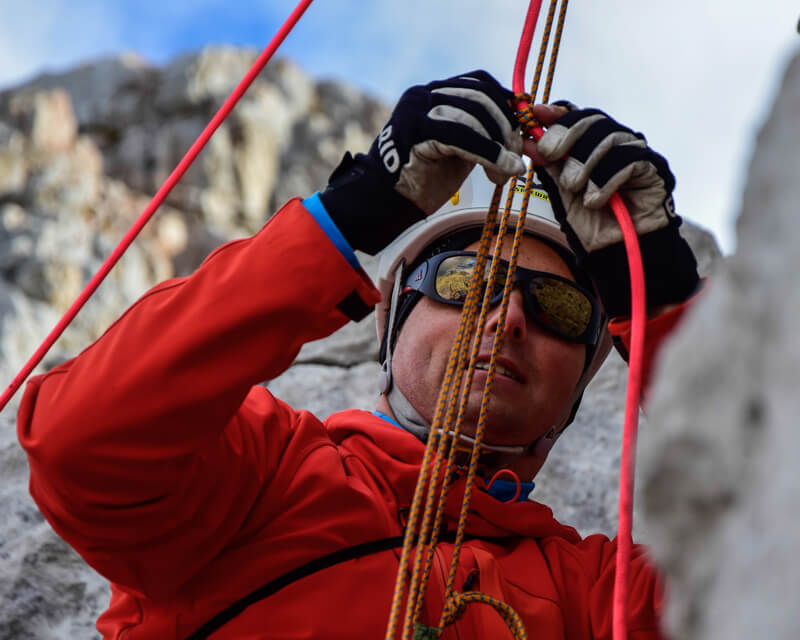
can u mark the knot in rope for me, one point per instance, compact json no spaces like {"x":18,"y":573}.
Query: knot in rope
{"x":455,"y":606}
{"x":525,"y":116}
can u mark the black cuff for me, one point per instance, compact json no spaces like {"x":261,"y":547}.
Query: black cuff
{"x":670,"y":271}
{"x":365,"y":207}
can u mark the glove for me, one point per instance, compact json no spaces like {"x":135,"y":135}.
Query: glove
{"x":434,"y":138}
{"x":589,"y":157}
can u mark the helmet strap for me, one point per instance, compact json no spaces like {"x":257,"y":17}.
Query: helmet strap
{"x":564,"y":419}
{"x":408,"y":417}
{"x":385,"y":375}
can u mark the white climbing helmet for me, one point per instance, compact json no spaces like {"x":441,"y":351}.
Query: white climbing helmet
{"x":465,"y":210}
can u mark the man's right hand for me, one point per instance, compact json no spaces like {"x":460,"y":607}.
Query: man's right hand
{"x":436,"y":135}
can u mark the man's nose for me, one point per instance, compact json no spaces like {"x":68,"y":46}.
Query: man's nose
{"x":516,"y":326}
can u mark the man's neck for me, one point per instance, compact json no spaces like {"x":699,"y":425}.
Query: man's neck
{"x":525,"y":466}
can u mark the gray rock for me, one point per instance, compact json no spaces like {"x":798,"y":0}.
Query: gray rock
{"x":579,"y":480}
{"x":13,"y":165}
{"x":721,"y":492}
{"x":705,"y":247}
{"x":202,"y":78}
{"x":106,"y":92}
{"x":323,"y":389}
{"x":54,"y":125}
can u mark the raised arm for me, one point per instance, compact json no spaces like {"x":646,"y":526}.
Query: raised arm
{"x":152,"y":435}
{"x":150,"y":449}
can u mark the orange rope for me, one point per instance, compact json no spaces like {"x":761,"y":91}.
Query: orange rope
{"x":466,"y":325}
{"x":462,"y":405}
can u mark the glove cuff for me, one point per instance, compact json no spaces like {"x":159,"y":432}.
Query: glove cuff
{"x":670,"y":271}
{"x":365,"y":206}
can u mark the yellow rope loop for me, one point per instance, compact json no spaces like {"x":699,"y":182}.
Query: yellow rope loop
{"x":458,"y":602}
{"x":525,"y":117}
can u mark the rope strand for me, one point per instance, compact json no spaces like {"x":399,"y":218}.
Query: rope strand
{"x":434,"y":479}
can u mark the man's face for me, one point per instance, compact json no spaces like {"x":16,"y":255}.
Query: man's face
{"x":536,"y":374}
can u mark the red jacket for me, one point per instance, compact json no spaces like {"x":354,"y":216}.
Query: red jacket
{"x":154,"y":455}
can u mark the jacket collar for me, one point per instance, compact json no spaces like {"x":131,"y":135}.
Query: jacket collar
{"x":396,"y":454}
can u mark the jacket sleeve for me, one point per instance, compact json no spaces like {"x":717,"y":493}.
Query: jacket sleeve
{"x":656,"y":332}
{"x":148,"y":450}
{"x":645,"y":595}
{"x":584,"y":577}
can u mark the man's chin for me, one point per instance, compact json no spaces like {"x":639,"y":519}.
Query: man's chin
{"x":501,"y":428}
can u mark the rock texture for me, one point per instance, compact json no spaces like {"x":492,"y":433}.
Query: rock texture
{"x":721,"y":491}
{"x":80,"y":152}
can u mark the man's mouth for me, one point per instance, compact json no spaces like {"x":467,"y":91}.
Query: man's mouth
{"x":499,"y":369}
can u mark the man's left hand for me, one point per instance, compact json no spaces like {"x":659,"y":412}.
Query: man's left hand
{"x":583,"y":158}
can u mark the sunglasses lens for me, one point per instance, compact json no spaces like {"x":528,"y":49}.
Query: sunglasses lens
{"x":453,"y":277}
{"x":455,"y":273}
{"x":562,"y":307}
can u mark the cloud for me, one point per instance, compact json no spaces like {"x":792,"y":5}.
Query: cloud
{"x":52,"y":35}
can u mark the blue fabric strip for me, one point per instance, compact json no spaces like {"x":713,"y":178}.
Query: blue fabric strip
{"x":320,"y":214}
{"x":502,"y":490}
{"x":387,"y":418}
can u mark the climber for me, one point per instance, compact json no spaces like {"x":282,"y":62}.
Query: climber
{"x":207,"y":502}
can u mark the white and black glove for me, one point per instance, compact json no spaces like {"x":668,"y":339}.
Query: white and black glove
{"x":434,"y":138}
{"x":591,"y":156}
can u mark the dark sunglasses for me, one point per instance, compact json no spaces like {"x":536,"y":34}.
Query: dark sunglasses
{"x":551,"y":301}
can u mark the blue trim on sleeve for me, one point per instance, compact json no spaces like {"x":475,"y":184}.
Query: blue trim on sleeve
{"x":320,"y":214}
{"x":387,"y":418}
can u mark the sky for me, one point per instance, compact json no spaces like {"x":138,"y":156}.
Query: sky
{"x":696,"y":77}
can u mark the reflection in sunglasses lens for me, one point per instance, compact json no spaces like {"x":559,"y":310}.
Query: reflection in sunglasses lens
{"x":453,"y":276}
{"x":563,"y":307}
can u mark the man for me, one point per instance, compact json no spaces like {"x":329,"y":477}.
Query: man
{"x":202,"y":497}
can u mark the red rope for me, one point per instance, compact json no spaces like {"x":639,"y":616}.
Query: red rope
{"x":628,"y":462}
{"x":635,"y":360}
{"x":514,"y":478}
{"x":156,"y":202}
{"x":524,"y":49}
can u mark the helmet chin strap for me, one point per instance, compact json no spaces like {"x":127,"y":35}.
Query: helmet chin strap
{"x":412,"y":421}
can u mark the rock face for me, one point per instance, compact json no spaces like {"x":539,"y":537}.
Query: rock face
{"x":721,"y":492}
{"x":80,"y":152}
